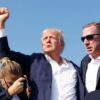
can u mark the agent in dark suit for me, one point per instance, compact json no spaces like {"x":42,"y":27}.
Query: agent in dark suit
{"x":90,"y":65}
{"x":52,"y":77}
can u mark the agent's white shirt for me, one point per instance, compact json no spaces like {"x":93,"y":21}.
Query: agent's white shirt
{"x":91,"y":74}
{"x":64,"y":78}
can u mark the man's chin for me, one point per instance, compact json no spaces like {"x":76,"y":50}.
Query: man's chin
{"x":90,"y":52}
{"x":47,"y":52}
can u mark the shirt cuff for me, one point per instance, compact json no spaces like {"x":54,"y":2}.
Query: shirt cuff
{"x":2,"y":33}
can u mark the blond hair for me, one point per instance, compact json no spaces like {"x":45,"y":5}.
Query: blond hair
{"x":8,"y":66}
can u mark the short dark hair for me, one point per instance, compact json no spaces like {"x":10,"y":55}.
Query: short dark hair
{"x":96,"y":24}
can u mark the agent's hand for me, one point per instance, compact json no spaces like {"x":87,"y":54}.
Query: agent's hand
{"x":4,"y":14}
{"x":16,"y":87}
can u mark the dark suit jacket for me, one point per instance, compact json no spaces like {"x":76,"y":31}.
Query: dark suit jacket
{"x":94,"y":95}
{"x":39,"y":72}
{"x":84,"y":65}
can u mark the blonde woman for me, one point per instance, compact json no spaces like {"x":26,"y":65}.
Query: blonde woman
{"x":11,"y":80}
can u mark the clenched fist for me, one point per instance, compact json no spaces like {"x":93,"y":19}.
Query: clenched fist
{"x":17,"y":87}
{"x":4,"y":14}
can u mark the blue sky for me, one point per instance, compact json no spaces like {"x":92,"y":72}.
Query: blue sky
{"x":29,"y":17}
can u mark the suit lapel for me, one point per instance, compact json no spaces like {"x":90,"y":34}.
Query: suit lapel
{"x":84,"y":72}
{"x":98,"y":75}
{"x":85,"y":64}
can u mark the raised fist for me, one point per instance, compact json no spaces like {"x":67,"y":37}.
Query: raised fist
{"x":4,"y":14}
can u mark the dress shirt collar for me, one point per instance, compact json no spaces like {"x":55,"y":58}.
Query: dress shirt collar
{"x":95,"y":60}
{"x":65,"y":61}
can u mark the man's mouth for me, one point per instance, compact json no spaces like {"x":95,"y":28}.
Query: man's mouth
{"x":89,"y":48}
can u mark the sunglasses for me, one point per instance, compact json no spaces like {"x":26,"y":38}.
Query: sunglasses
{"x":88,"y":37}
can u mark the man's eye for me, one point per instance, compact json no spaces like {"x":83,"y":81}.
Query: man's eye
{"x":45,"y":38}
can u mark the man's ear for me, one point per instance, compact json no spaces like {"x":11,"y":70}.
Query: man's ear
{"x":62,"y":44}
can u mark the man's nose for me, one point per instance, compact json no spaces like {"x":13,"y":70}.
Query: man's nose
{"x":48,"y":38}
{"x":86,"y":42}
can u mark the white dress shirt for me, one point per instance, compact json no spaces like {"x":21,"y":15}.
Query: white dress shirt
{"x":91,"y":74}
{"x":64,"y":78}
{"x":2,"y":33}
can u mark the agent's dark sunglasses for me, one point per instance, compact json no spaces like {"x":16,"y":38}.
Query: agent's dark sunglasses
{"x":88,"y":37}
